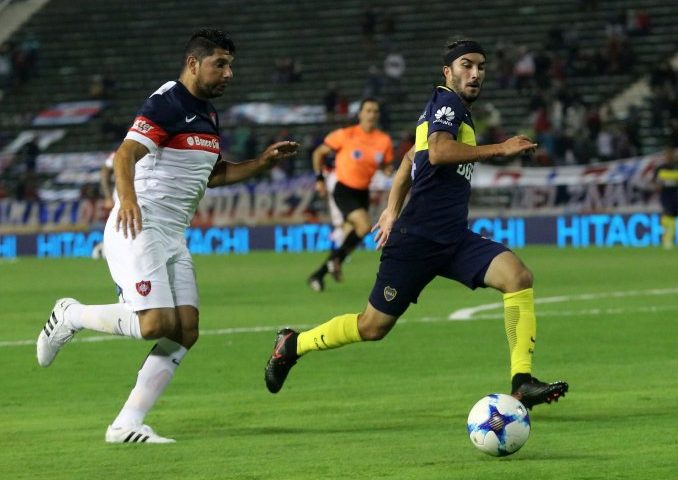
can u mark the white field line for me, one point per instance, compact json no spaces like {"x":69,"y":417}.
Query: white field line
{"x":464,"y":314}
{"x":467,"y":313}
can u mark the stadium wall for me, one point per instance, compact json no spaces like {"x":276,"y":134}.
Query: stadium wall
{"x":596,"y":230}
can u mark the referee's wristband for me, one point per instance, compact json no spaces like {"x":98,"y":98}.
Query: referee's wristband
{"x":319,"y":177}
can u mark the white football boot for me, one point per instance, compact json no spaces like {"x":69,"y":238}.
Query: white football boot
{"x":56,"y":333}
{"x":135,"y":434}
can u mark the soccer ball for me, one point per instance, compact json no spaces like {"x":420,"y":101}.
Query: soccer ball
{"x":498,"y":425}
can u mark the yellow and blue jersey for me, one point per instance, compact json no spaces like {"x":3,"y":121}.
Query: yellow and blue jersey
{"x":667,"y":176}
{"x":438,"y":206}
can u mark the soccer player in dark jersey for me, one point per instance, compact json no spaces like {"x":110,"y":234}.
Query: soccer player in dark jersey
{"x":666,"y":181}
{"x":430,"y":237}
{"x":169,"y":156}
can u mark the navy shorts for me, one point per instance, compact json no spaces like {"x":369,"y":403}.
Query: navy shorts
{"x":409,"y":263}
{"x":350,"y":199}
{"x":669,"y":205}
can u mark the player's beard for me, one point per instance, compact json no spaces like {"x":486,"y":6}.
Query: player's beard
{"x":212,"y":91}
{"x":468,"y":98}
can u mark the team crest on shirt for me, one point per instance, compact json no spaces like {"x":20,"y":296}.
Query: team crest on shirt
{"x":379,"y":157}
{"x":356,"y":154}
{"x":143,"y":287}
{"x":444,"y":115}
{"x":390,"y":293}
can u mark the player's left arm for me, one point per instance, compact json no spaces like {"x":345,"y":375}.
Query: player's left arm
{"x":443,"y":148}
{"x":226,"y":173}
{"x":396,"y":198}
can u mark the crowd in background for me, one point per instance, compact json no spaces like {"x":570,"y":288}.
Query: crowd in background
{"x":568,"y":128}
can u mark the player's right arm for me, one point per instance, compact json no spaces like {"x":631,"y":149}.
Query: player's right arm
{"x":444,"y":149}
{"x":318,"y":158}
{"x":396,"y":198}
{"x":129,"y":213}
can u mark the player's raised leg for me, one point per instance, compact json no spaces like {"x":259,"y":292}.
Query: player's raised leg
{"x":336,"y":332}
{"x":508,"y":274}
{"x":69,"y":317}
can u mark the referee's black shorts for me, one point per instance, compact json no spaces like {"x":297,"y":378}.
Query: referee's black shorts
{"x":350,"y":199}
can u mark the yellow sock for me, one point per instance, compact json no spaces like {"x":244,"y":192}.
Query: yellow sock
{"x":668,"y":230}
{"x":334,"y":333}
{"x":521,"y":329}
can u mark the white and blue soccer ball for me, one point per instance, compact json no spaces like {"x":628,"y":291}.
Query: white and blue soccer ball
{"x":498,"y":425}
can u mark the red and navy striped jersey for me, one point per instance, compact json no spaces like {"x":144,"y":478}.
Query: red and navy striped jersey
{"x":181,"y":133}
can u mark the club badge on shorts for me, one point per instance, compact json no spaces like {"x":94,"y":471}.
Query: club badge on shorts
{"x":144,"y":287}
{"x":390,"y":293}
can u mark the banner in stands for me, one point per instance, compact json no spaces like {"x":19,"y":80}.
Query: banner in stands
{"x":621,"y":186}
{"x":264,"y":113}
{"x":638,"y":170}
{"x":603,"y":230}
{"x":68,"y":113}
{"x":42,"y":138}
{"x":272,"y":114}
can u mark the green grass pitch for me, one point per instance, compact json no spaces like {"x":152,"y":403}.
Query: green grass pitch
{"x":392,"y":409}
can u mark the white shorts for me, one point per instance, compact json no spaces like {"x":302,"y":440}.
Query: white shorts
{"x":154,"y":270}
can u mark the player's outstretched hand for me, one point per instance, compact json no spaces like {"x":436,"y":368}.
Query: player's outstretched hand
{"x":383,"y":227}
{"x":517,"y":145}
{"x":278,"y":151}
{"x":129,"y":218}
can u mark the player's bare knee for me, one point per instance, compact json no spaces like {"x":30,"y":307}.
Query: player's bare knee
{"x":524,"y":279}
{"x":189,"y":337}
{"x":520,"y":280}
{"x":371,"y":329}
{"x":371,"y":333}
{"x":157,"y":323}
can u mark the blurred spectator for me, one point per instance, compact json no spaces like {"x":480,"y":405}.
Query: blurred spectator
{"x":605,"y":144}
{"x":638,"y":22}
{"x":504,"y":64}
{"x":542,"y":69}
{"x":330,"y":99}
{"x":28,"y":155}
{"x":341,"y":108}
{"x":394,"y":68}
{"x":631,"y":128}
{"x":6,"y":70}
{"x":487,"y":122}
{"x":24,"y":59}
{"x":101,"y":87}
{"x":555,"y":39}
{"x":373,"y":83}
{"x":523,"y":70}
{"x":369,"y":25}
{"x":388,"y":23}
{"x":287,"y":70}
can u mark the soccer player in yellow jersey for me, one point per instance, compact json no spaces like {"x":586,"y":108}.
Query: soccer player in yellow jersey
{"x":430,"y":237}
{"x":666,"y":180}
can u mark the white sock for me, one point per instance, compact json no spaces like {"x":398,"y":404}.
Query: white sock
{"x":118,"y":319}
{"x":155,"y":374}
